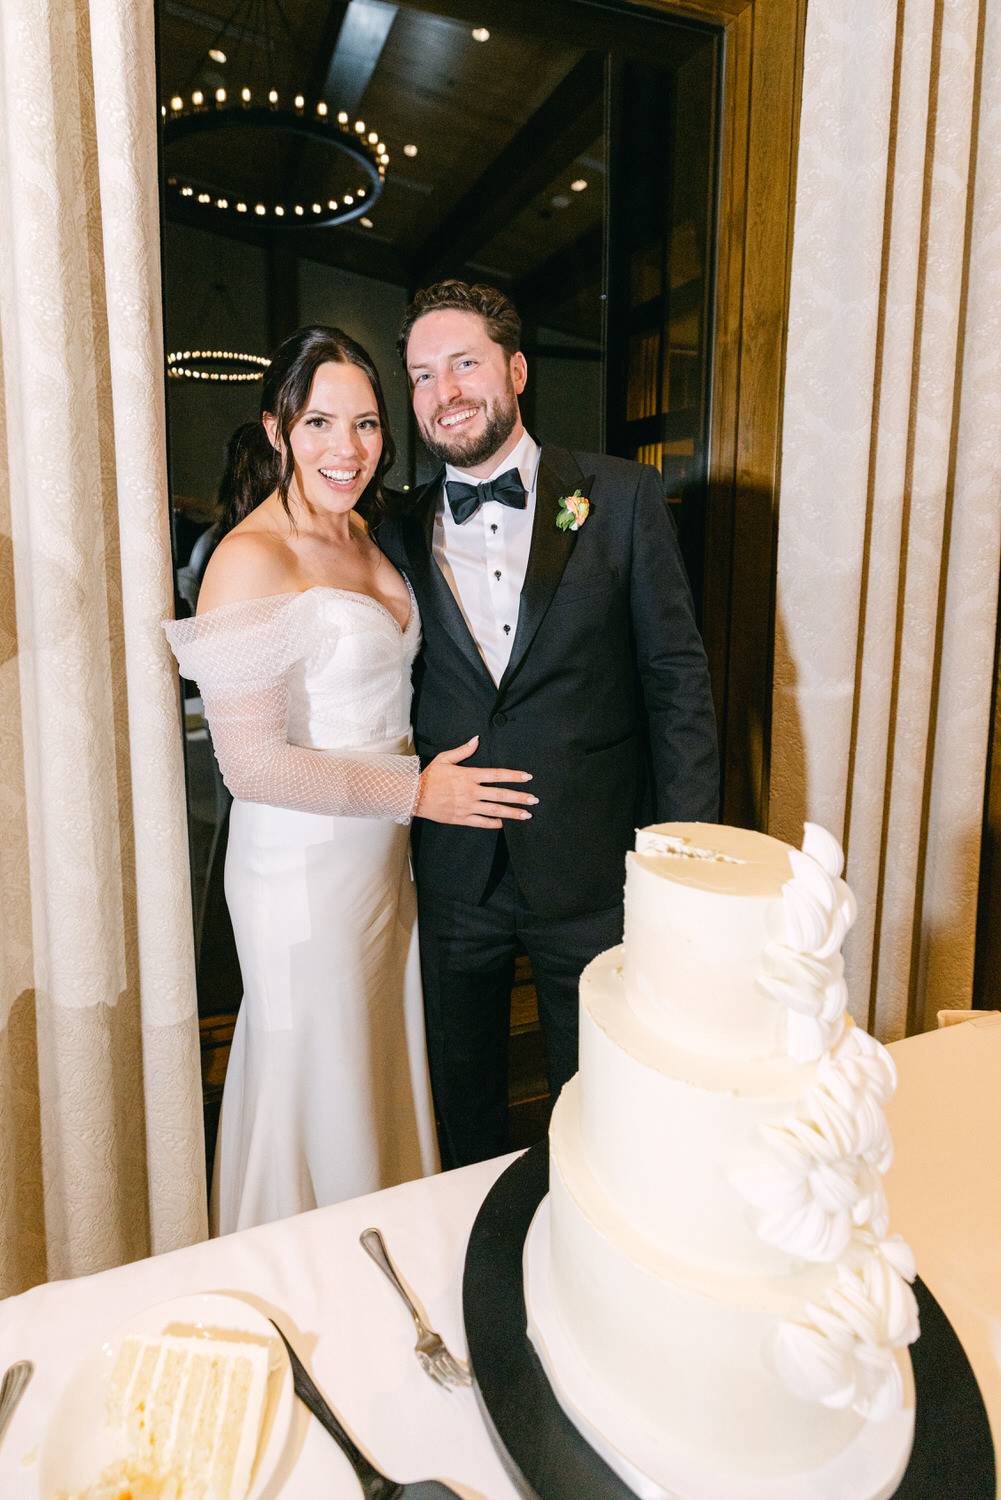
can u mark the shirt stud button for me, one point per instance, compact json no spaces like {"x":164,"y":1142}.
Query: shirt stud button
{"x":497,"y":574}
{"x":507,"y":630}
{"x":493,"y":526}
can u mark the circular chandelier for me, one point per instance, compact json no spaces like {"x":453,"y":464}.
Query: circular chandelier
{"x":215,"y":113}
{"x":203,"y":364}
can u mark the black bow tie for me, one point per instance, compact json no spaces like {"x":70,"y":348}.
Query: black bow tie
{"x":464,"y":500}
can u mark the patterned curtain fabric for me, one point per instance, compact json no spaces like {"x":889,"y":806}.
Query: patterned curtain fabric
{"x":890,"y":514}
{"x":101,"y":1152}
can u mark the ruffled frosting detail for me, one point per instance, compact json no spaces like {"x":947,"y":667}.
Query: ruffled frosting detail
{"x":818,"y":1176}
{"x":842,"y":1353}
{"x":816,"y":1184}
{"x":804,"y":970}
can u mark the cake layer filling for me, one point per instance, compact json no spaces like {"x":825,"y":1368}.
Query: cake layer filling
{"x":692,"y":1352}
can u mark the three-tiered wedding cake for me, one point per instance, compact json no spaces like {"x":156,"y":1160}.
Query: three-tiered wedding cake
{"x":719,"y":1249}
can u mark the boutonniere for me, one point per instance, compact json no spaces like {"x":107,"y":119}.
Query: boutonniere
{"x":573,"y":511}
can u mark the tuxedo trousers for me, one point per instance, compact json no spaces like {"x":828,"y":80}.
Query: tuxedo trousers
{"x":468,"y":954}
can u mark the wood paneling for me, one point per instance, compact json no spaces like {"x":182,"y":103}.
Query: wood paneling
{"x":761,"y":83}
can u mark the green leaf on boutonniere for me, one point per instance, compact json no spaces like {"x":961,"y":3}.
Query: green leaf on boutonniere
{"x":573,"y":511}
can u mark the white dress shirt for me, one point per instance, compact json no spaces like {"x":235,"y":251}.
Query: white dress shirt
{"x":485,"y":559}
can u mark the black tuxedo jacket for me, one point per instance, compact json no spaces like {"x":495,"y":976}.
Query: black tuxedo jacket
{"x":605,"y":700}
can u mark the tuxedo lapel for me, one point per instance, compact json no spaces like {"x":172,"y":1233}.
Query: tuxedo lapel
{"x":559,"y":475}
{"x":429,"y":581}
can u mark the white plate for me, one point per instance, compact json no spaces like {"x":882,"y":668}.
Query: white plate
{"x":78,"y":1443}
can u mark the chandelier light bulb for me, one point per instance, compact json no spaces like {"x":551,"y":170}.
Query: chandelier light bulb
{"x":410,"y":150}
{"x":578,"y":186}
{"x":481,"y":34}
{"x":366,"y":222}
{"x":368,"y":151}
{"x":342,"y":117}
{"x":177,"y":370}
{"x":217,"y":54}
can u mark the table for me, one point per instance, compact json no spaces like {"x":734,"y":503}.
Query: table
{"x":944,"y":1188}
{"x":345,"y":1319}
{"x":336,"y":1307}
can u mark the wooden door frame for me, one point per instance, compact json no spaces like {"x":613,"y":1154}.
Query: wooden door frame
{"x":762,"y":55}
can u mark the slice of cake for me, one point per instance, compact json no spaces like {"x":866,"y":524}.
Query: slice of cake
{"x":190,"y":1410}
{"x":720,"y":1258}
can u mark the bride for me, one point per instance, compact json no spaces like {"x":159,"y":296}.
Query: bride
{"x":302,"y":648}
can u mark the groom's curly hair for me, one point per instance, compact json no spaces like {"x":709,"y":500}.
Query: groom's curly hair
{"x":497,"y":311}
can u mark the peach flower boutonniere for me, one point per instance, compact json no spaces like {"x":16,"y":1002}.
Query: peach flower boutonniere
{"x":573,"y":511}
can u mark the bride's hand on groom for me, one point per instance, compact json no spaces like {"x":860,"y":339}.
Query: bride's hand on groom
{"x":453,"y":793}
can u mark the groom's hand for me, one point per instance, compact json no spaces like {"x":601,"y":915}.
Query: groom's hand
{"x":452,"y":793}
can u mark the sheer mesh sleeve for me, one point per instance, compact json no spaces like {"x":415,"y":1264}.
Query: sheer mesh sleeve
{"x":240,"y":655}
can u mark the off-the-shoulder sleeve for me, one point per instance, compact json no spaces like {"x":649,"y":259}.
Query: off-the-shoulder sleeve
{"x":250,"y":644}
{"x":240,"y":656}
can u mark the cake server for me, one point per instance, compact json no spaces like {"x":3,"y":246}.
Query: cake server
{"x":14,"y":1382}
{"x":435,"y":1359}
{"x":375,"y":1485}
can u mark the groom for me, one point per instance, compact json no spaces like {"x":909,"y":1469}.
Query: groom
{"x":558,"y":628}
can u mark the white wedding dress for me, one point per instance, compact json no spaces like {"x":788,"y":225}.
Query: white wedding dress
{"x":308,"y":700}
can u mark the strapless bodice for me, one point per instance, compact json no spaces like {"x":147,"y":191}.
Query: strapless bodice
{"x":350,"y":687}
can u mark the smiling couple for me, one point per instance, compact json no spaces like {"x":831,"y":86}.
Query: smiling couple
{"x":558,"y":647}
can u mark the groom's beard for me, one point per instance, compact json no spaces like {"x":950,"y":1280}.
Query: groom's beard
{"x":466,"y":452}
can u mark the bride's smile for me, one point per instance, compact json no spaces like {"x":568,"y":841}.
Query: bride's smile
{"x":337,"y":442}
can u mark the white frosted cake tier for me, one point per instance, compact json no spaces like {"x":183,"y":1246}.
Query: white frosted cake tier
{"x":688,"y":1349}
{"x":694,"y":953}
{"x":719,"y":1249}
{"x":663,"y":1128}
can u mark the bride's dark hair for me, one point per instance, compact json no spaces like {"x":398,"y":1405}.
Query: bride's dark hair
{"x":255,"y":469}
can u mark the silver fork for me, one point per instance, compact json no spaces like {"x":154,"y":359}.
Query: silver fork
{"x":435,"y":1359}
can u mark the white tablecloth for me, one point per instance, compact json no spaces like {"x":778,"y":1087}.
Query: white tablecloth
{"x":355,"y":1335}
{"x":339,"y":1312}
{"x":944,"y":1188}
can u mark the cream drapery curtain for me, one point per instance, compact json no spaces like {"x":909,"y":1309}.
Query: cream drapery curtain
{"x":101,"y":1153}
{"x":890,"y":515}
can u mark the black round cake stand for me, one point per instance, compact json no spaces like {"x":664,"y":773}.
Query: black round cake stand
{"x":548,"y":1459}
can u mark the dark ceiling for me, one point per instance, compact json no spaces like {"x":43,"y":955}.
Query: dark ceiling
{"x":502,"y":128}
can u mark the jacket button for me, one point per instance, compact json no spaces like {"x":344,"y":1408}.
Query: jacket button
{"x":499,"y":719}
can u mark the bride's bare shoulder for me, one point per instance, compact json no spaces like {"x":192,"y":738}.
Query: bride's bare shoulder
{"x":251,"y":562}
